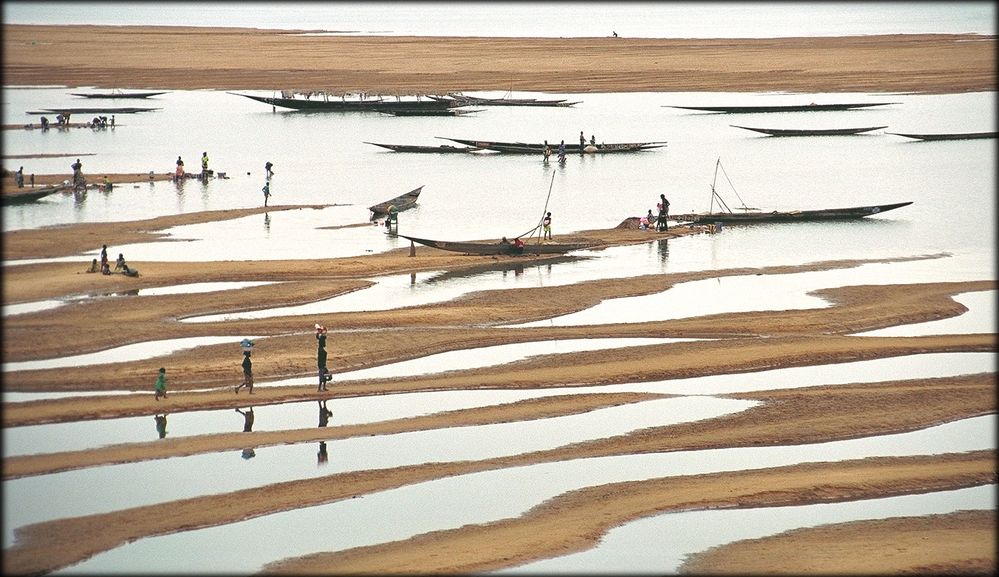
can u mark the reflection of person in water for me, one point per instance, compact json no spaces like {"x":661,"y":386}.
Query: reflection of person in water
{"x":161,"y":425}
{"x":321,"y":457}
{"x":248,"y":454}
{"x":247,"y":420}
{"x":324,"y":414}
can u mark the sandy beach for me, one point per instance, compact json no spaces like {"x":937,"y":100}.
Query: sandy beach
{"x":145,"y":58}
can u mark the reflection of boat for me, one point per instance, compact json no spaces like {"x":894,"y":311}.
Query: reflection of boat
{"x":428,"y":112}
{"x":947,"y":136}
{"x":116,"y":94}
{"x":401,"y":202}
{"x":417,"y":148}
{"x":352,"y":105}
{"x":810,"y":132}
{"x":749,"y":216}
{"x":538,"y":148}
{"x":498,"y":248}
{"x":33,"y":194}
{"x":782,"y":108}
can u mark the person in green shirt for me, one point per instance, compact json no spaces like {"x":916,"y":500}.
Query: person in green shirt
{"x":161,"y":384}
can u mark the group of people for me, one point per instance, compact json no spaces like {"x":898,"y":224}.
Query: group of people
{"x":659,"y":220}
{"x":102,"y":122}
{"x":105,"y":267}
{"x":247,"y":365}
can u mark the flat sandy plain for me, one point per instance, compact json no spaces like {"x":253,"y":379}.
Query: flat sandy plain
{"x":200,"y":58}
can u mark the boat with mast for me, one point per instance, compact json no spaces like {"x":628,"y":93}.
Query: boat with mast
{"x":754,"y":215}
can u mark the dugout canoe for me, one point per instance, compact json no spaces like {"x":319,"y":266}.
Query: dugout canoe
{"x":790,"y":216}
{"x":498,"y":248}
{"x":444,"y":148}
{"x":86,"y":110}
{"x":947,"y":136}
{"x":24,"y":196}
{"x":464,"y":100}
{"x":352,"y":105}
{"x":810,"y":131}
{"x":116,"y":94}
{"x":782,"y":108}
{"x":401,"y":203}
{"x":538,"y":148}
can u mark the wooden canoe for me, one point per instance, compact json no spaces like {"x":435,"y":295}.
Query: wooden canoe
{"x":23,"y":196}
{"x":351,"y":105}
{"x":791,"y":216}
{"x":115,"y":94}
{"x":947,"y":136}
{"x":479,"y":101}
{"x":429,"y":112}
{"x":810,"y":132}
{"x":401,"y":203}
{"x":426,"y":149}
{"x":782,"y":108}
{"x":498,"y":248}
{"x":538,"y":148}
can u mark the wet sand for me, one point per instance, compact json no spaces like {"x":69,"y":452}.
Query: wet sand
{"x":746,"y":341}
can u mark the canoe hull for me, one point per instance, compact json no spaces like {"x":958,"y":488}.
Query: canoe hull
{"x":334,"y":105}
{"x":779,"y":108}
{"x":948,"y":136}
{"x":792,"y":216}
{"x":425,"y":149}
{"x":538,"y":148}
{"x":401,"y":203}
{"x":484,"y":248}
{"x":810,"y":132}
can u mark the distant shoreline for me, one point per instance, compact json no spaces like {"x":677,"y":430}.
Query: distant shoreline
{"x":192,"y":58}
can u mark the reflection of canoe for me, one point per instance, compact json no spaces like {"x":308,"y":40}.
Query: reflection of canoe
{"x":782,"y":108}
{"x":428,"y":112}
{"x":810,"y":132}
{"x":351,"y":105}
{"x":947,"y":136}
{"x":792,"y":216}
{"x":496,"y":248}
{"x":33,"y":194}
{"x":401,"y":202}
{"x":417,"y":148}
{"x":538,"y":148}
{"x":116,"y":94}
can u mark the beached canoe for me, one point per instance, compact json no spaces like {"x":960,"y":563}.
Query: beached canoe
{"x":782,"y":108}
{"x":444,"y":148}
{"x":947,"y":136}
{"x":498,"y":248}
{"x":401,"y":203}
{"x":23,"y":196}
{"x":752,"y":217}
{"x":810,"y":131}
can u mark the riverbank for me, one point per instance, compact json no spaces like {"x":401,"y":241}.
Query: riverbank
{"x":145,"y":57}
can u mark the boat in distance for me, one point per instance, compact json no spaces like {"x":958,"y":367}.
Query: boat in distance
{"x":498,"y":248}
{"x":453,"y":111}
{"x":789,"y":216}
{"x":444,"y":148}
{"x":116,"y":94}
{"x":947,"y":136}
{"x":352,"y":105}
{"x":400,"y":203}
{"x":538,"y":148}
{"x":810,"y":132}
{"x":782,"y":108}
{"x":32,"y":194}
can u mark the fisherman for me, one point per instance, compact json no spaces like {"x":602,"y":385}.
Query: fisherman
{"x":204,"y":163}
